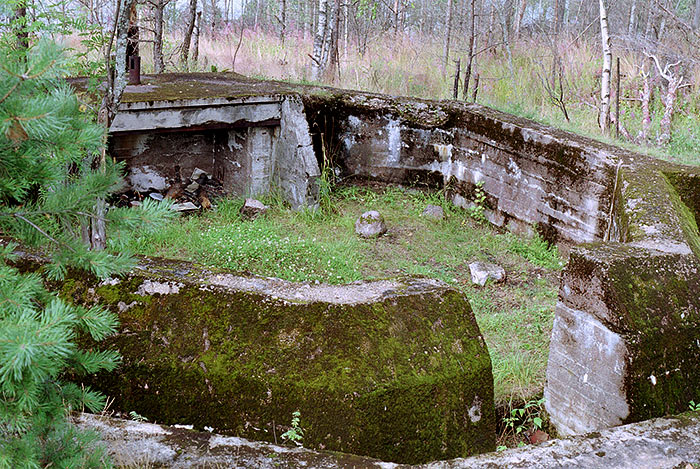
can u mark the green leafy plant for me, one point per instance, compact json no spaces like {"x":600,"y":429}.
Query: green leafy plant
{"x":295,"y":434}
{"x":526,"y":418}
{"x":135,"y":416}
{"x":694,"y":407}
{"x":478,"y":207}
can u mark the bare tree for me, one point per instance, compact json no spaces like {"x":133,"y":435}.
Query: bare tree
{"x":604,"y":119}
{"x":696,"y":16}
{"x":319,"y":40}
{"x":158,"y":8}
{"x":674,"y":80}
{"x":632,"y":25}
{"x":522,"y":4}
{"x":184,"y":53}
{"x":472,"y":45}
{"x":283,"y":20}
{"x":448,"y":34}
{"x":197,"y":30}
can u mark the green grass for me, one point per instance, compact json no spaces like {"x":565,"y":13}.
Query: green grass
{"x":515,"y":317}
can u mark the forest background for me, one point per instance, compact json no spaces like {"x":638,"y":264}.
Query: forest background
{"x":555,"y":61}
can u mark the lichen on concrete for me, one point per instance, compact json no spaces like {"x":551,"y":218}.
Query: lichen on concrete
{"x":402,"y":374}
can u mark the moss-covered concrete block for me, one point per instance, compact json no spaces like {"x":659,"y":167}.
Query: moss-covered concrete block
{"x":626,"y":336}
{"x":396,"y":370}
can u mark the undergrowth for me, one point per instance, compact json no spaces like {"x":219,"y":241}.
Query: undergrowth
{"x":321,"y":246}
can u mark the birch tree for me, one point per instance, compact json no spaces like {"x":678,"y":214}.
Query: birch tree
{"x":604,"y":119}
{"x":319,"y":40}
{"x":184,"y":53}
{"x":448,"y":34}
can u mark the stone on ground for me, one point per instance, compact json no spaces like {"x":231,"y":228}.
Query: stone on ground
{"x":481,"y":272}
{"x":253,"y":208}
{"x":370,"y":225}
{"x":434,"y":211}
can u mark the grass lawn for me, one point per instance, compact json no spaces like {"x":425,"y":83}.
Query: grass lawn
{"x":515,"y":317}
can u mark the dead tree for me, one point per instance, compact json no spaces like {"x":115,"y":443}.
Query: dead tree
{"x":675,"y":81}
{"x":197,"y":31}
{"x":185,"y":51}
{"x":604,"y":118}
{"x":448,"y":34}
{"x":646,"y":113}
{"x":472,"y":45}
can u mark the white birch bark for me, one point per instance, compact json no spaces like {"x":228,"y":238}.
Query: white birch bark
{"x":632,"y":27}
{"x":319,"y":39}
{"x":604,"y":119}
{"x":448,"y":34}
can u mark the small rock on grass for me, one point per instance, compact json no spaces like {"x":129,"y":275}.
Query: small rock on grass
{"x":370,"y":225}
{"x":184,"y":207}
{"x":482,"y":271}
{"x":434,"y":211}
{"x":253,"y":208}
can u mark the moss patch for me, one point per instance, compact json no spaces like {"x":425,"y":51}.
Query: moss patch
{"x":404,"y":378}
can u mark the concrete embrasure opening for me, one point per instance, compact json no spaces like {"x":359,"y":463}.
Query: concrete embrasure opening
{"x":624,"y":344}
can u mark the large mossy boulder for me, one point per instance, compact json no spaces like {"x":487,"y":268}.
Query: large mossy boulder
{"x":397,"y":370}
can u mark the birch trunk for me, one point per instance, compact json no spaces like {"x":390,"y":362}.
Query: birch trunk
{"x":696,"y":17}
{"x":197,"y":32}
{"x":669,"y":103}
{"x":158,"y":64}
{"x":519,"y":17}
{"x":632,"y":26}
{"x":319,"y":39}
{"x":283,"y":20}
{"x":184,"y":53}
{"x":448,"y":34}
{"x":604,"y":119}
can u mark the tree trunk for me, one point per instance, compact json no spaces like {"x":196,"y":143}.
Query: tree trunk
{"x":195,"y":46}
{"x":632,"y":26}
{"x":669,"y":103}
{"x":333,"y":69}
{"x":346,"y":30}
{"x":19,"y":20}
{"x":470,"y":60}
{"x":184,"y":54}
{"x":319,"y":39}
{"x":604,"y":119}
{"x":158,"y":64}
{"x":108,"y":109}
{"x":696,"y":17}
{"x":522,"y":4}
{"x":283,"y":21}
{"x":448,"y":34}
{"x":650,"y":20}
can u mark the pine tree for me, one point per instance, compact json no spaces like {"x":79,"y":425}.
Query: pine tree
{"x":48,"y":190}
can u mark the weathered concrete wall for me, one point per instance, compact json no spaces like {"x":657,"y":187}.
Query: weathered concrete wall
{"x":625,"y":337}
{"x":394,"y":369}
{"x":251,"y":145}
{"x":667,"y":443}
{"x":532,"y":175}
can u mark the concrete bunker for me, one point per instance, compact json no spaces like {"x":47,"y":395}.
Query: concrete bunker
{"x":624,"y":344}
